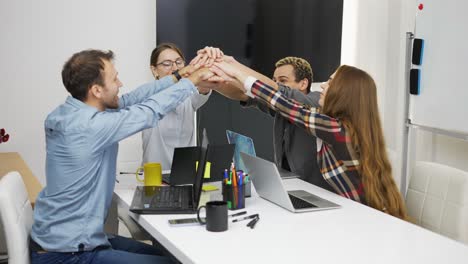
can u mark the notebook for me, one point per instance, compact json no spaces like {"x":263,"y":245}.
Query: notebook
{"x":183,"y":166}
{"x":269,"y":186}
{"x":244,"y":144}
{"x":182,"y":199}
{"x":218,"y":158}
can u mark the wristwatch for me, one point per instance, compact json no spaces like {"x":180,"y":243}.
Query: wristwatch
{"x":177,"y":75}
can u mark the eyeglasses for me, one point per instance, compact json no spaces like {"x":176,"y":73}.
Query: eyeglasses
{"x":169,"y":63}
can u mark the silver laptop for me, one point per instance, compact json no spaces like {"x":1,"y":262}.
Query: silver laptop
{"x":269,"y":186}
{"x":245,"y":144}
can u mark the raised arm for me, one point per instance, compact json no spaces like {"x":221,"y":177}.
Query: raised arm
{"x":147,"y":90}
{"x":322,"y":126}
{"x":210,"y":55}
{"x":112,"y":126}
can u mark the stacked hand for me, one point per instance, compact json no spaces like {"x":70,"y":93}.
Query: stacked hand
{"x":228,"y":71}
{"x":207,"y":56}
{"x":204,"y":79}
{"x":216,"y":71}
{"x":228,"y":75}
{"x":223,"y":66}
{"x":199,"y":75}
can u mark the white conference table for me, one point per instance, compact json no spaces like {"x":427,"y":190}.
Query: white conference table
{"x":352,"y":234}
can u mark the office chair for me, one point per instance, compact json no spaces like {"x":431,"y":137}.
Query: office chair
{"x":437,"y":199}
{"x":16,"y":216}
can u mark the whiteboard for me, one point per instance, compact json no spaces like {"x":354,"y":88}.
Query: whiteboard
{"x":443,"y":99}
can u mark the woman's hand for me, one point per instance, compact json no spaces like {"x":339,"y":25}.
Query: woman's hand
{"x":207,"y":56}
{"x":200,"y":75}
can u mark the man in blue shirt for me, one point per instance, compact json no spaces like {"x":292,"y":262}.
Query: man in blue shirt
{"x":82,"y":138}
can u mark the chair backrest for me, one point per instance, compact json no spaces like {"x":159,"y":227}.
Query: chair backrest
{"x":16,"y":217}
{"x":437,"y":199}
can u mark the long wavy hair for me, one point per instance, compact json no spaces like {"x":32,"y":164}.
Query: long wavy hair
{"x":352,"y":98}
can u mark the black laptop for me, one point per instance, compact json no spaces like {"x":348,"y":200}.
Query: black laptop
{"x":219,"y":157}
{"x":183,"y":166}
{"x":182,"y":199}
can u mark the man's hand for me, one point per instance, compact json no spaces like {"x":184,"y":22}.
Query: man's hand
{"x":229,"y":70}
{"x":188,"y":70}
{"x":232,"y":90}
{"x":200,"y":75}
{"x":229,"y":59}
{"x":211,"y":82}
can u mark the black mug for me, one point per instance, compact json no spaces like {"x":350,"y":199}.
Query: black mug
{"x":216,"y":216}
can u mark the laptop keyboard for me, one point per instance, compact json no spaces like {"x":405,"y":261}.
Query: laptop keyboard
{"x":168,"y":197}
{"x":299,"y":203}
{"x":166,"y":178}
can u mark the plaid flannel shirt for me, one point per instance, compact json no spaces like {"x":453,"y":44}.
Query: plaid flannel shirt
{"x":337,"y":159}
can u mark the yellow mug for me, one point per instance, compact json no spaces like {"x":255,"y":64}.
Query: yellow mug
{"x":152,"y":174}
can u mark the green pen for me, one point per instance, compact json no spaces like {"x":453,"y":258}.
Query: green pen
{"x":229,"y":182}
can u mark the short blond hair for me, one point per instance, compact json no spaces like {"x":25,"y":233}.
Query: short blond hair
{"x":302,"y":68}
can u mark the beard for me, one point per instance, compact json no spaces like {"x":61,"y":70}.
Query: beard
{"x":114,"y":104}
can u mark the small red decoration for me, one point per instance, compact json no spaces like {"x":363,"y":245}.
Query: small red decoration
{"x":4,"y":137}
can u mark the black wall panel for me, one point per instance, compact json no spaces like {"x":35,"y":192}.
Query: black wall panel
{"x":257,"y":33}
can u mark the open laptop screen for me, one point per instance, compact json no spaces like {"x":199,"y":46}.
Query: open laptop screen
{"x":243,"y":144}
{"x":197,"y":185}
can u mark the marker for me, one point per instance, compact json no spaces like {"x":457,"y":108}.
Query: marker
{"x":234,"y":177}
{"x":252,"y":223}
{"x":245,"y":218}
{"x":126,"y":172}
{"x":238,"y":214}
{"x":226,"y":177}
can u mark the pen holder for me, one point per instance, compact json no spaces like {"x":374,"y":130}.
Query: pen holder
{"x":248,"y":188}
{"x":234,"y":196}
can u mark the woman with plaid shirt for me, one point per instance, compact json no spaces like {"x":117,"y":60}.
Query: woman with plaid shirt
{"x":353,"y":158}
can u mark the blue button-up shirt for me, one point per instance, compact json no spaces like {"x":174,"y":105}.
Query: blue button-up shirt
{"x":82,"y":145}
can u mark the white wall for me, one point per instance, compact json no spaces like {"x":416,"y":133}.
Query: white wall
{"x":372,"y":40}
{"x":374,"y":35}
{"x":37,"y":37}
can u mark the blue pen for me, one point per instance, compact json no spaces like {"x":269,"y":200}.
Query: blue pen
{"x":241,"y":178}
{"x":226,"y":177}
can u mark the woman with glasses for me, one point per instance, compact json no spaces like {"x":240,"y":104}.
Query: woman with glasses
{"x":177,"y":128}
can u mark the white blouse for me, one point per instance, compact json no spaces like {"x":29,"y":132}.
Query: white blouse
{"x":176,"y":129}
